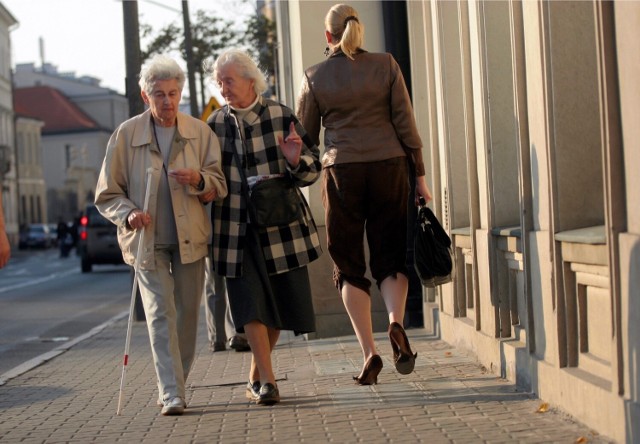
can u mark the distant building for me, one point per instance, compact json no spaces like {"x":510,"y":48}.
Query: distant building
{"x":73,"y":146}
{"x":32,"y":189}
{"x":79,"y":116}
{"x":8,"y":183}
{"x":106,"y":106}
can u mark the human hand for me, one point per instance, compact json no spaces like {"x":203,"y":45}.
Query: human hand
{"x":5,"y":249}
{"x":422,"y":190}
{"x":291,"y":146}
{"x":185,"y":176}
{"x":208,"y":197}
{"x":137,"y":219}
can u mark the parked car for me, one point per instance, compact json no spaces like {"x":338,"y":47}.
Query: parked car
{"x":98,"y":242}
{"x":35,"y":236}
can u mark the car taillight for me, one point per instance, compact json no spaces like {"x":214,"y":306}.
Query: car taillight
{"x":83,"y":235}
{"x":84,"y":220}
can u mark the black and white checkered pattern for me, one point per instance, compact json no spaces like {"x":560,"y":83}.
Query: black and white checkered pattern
{"x":287,"y":247}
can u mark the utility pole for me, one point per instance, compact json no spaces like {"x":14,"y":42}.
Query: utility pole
{"x":136,"y":105}
{"x":188,"y":47}
{"x":132,"y":56}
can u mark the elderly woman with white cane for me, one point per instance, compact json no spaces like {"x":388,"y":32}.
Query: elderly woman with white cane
{"x":184,"y":156}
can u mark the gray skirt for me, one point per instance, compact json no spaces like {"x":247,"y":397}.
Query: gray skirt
{"x":281,"y":301}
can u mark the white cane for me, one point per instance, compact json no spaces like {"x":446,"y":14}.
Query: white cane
{"x":134,"y":290}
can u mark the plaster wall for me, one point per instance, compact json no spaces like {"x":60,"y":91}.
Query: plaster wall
{"x":571,"y":390}
{"x":627,"y":19}
{"x":53,"y":154}
{"x":108,"y":111}
{"x":536,"y":101}
{"x":544,"y":313}
{"x":486,"y":309}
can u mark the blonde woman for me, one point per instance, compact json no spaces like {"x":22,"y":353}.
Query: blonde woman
{"x":370,"y":141}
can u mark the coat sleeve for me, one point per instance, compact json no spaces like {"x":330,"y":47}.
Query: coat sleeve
{"x":308,"y":111}
{"x":211,"y":164}
{"x":308,"y":170}
{"x":404,"y":120}
{"x":112,"y":198}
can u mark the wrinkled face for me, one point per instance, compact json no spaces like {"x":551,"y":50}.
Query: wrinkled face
{"x":163,"y":101}
{"x":237,"y":90}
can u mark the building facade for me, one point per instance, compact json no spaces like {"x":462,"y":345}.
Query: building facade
{"x":79,"y":118}
{"x":527,"y":113}
{"x":8,"y":182}
{"x":32,"y":189}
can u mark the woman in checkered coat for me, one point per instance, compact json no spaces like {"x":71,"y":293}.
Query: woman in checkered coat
{"x":270,"y":143}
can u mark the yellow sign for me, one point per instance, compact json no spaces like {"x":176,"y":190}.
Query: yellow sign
{"x":210,"y":108}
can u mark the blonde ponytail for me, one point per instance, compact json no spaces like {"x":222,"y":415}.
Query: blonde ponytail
{"x":344,"y":25}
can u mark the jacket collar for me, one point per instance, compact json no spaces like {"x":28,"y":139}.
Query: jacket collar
{"x":337,"y":52}
{"x":143,"y":131}
{"x":254,"y":113}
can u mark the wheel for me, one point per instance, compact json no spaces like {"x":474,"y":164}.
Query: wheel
{"x":86,"y":265}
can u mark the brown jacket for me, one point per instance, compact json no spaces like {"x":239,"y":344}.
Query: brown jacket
{"x":365,"y":109}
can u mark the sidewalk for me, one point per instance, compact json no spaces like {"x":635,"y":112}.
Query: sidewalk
{"x":449,"y":398}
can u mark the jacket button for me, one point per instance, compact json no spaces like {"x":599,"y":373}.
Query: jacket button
{"x":187,"y":241}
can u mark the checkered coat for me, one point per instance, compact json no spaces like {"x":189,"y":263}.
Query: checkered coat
{"x":287,"y":247}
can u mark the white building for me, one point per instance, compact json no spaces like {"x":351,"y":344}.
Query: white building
{"x":8,"y":181}
{"x":79,"y":116}
{"x":528,"y":112}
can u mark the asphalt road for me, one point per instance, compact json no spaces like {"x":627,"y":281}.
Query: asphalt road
{"x":45,"y":300}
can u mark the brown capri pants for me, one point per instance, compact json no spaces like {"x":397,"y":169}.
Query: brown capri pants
{"x":369,"y":196}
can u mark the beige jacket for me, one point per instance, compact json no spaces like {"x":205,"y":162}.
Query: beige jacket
{"x":121,"y":187}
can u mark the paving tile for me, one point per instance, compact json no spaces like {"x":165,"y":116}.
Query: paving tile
{"x":448,"y":398}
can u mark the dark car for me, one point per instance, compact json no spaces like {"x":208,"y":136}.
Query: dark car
{"x":35,"y":236}
{"x":98,"y":242}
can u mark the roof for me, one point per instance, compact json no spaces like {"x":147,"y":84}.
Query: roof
{"x":59,"y":114}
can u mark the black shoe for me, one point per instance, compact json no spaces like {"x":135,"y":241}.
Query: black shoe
{"x":269,"y":395}
{"x":253,"y":390}
{"x":370,"y":372}
{"x":239,"y":344}
{"x":403,"y":358}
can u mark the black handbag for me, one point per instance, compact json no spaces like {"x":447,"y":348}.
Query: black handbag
{"x":433,"y":255}
{"x":275,"y":202}
{"x":271,"y":202}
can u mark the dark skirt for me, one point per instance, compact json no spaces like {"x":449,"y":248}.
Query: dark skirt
{"x":281,"y":301}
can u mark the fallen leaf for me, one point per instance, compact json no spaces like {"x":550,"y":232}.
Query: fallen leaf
{"x":582,"y":439}
{"x":448,"y":354}
{"x":543,"y":408}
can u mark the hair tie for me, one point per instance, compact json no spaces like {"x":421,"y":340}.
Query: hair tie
{"x":348,"y":19}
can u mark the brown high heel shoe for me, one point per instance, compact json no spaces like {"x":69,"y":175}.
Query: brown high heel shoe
{"x":370,"y":371}
{"x":403,"y":358}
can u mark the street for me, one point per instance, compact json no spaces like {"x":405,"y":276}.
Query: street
{"x":45,"y":301}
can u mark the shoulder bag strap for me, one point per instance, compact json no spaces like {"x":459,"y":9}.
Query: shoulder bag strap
{"x":243,"y":176}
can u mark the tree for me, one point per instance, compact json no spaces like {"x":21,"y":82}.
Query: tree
{"x":261,"y":41}
{"x":209,"y":36}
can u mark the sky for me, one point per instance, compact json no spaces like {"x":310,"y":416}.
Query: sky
{"x":86,"y":36}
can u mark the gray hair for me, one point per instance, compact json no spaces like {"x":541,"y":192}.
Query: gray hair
{"x":160,"y":67}
{"x":246,"y":66}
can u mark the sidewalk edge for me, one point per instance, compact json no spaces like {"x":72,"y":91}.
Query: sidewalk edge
{"x":41,"y":359}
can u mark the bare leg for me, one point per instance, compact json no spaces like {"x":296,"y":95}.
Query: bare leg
{"x":394,"y":293}
{"x":262,"y":340}
{"x":358,"y":305}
